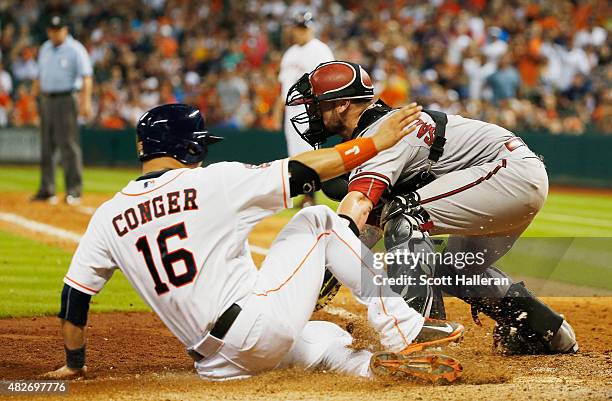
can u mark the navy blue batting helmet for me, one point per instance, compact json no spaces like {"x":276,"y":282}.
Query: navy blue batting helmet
{"x":176,"y":130}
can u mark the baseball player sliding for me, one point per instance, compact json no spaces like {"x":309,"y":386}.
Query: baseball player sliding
{"x":179,"y":235}
{"x":473,"y":180}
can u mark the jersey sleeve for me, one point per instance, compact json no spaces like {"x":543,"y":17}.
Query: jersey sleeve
{"x":283,"y":74}
{"x":84,"y":67}
{"x":327,"y":54}
{"x":92,"y":265}
{"x":255,"y":192}
{"x":374,"y":176}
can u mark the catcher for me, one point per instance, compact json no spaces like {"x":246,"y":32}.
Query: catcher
{"x":475,"y":181}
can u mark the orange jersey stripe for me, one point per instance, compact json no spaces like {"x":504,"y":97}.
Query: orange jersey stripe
{"x":283,"y":178}
{"x":81,"y":285}
{"x":265,"y":293}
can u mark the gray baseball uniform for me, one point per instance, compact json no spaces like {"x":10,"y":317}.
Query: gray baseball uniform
{"x":488,"y":189}
{"x":489,"y":185}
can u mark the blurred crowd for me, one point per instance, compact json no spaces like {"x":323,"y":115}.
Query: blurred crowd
{"x":524,"y":64}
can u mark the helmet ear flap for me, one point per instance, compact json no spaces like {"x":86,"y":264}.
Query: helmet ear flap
{"x":195,"y":151}
{"x":194,"y":148}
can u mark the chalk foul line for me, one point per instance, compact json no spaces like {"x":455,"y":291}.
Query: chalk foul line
{"x":52,"y":231}
{"x":46,"y":229}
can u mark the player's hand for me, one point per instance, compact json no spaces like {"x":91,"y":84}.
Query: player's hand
{"x":397,"y":126}
{"x":65,"y":373}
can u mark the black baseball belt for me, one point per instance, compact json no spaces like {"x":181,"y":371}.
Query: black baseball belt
{"x":220,"y":329}
{"x":58,"y":94}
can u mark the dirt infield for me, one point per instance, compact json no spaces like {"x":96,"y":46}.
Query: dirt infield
{"x":132,"y":356}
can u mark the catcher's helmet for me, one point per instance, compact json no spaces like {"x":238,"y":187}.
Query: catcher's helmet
{"x":333,"y":80}
{"x":175,"y":130}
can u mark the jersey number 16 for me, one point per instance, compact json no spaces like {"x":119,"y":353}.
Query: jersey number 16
{"x":168,"y":258}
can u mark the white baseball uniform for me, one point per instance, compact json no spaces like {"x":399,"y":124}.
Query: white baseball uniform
{"x":489,"y":187}
{"x":297,"y":61}
{"x":180,"y":239}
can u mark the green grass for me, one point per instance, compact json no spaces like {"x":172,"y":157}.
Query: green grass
{"x":564,"y":215}
{"x":581,"y":261}
{"x":31,"y":276}
{"x":95,"y":180}
{"x":31,"y":272}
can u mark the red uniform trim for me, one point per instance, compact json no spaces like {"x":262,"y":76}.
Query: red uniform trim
{"x":381,"y":177}
{"x":466,"y":186}
{"x":372,"y":188}
{"x":427,"y":226}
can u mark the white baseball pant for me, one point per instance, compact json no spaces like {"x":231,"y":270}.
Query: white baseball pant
{"x":273,"y":329}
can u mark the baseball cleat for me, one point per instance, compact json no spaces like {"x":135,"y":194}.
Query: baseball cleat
{"x":72,"y":200}
{"x":432,"y":368}
{"x":435,"y":333}
{"x":42,"y":197}
{"x":564,"y":340}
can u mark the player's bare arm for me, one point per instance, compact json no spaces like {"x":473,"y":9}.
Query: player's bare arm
{"x":330,"y":163}
{"x":74,"y":341}
{"x":73,"y":320}
{"x":357,"y":206}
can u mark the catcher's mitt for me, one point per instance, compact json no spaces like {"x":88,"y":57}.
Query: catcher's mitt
{"x":329,"y":289}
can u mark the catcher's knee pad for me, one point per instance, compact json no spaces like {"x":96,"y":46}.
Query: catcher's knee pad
{"x":413,"y":250}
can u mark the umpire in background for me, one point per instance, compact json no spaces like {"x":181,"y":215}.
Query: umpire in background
{"x":64,"y":71}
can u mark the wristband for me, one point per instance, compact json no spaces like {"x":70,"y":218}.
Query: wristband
{"x":75,"y":358}
{"x":356,"y":151}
